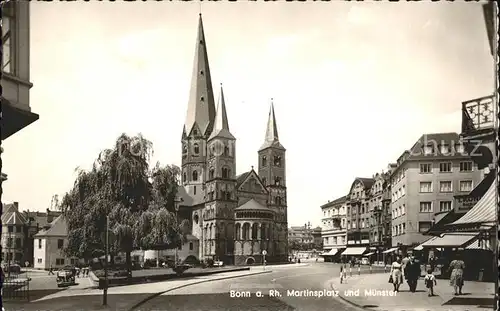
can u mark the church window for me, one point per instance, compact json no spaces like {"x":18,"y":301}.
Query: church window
{"x":263,"y":232}
{"x":194,"y":190}
{"x":226,"y":151}
{"x":195,"y":175}
{"x":184,"y":177}
{"x":201,"y":72}
{"x":225,"y":172}
{"x":196,"y":148}
{"x":211,"y":173}
{"x":278,"y":200}
{"x":264,"y":161}
{"x":255,"y":229}
{"x":277,"y":161}
{"x":264,"y":181}
{"x":196,"y":219}
{"x":195,"y":132}
{"x":184,"y":149}
{"x":277,"y":181}
{"x":202,"y":98}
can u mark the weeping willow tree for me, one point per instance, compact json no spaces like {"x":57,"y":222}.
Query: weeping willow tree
{"x":139,"y":202}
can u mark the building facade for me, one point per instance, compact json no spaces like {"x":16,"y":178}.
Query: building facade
{"x":425,"y":182}
{"x":380,"y":209}
{"x":235,"y":217}
{"x":358,"y":213}
{"x":334,"y":224}
{"x":14,"y":230}
{"x":302,"y":234}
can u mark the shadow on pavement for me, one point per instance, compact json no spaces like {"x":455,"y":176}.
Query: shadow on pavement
{"x":469,"y":301}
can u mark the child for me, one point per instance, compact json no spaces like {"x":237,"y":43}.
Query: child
{"x":343,"y":274}
{"x":430,"y":281}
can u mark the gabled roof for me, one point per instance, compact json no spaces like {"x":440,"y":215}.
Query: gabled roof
{"x":335,"y":202}
{"x":366,"y":182}
{"x":253,"y":205}
{"x":12,"y":216}
{"x":57,"y":228}
{"x":241,"y":180}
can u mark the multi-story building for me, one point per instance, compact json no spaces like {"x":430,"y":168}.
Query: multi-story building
{"x":301,"y":234}
{"x":425,"y":181}
{"x":333,"y":226}
{"x":316,"y":234}
{"x":14,"y":229}
{"x":235,"y":217}
{"x":380,"y":221}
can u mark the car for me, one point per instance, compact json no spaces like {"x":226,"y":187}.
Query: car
{"x":365,"y":261}
{"x":66,"y":276}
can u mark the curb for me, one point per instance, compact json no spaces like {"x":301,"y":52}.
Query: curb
{"x":143,"y":301}
{"x":350,"y":303}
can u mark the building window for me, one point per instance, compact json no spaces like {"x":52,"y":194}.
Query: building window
{"x":17,"y":243}
{"x":184,"y":177}
{"x":277,"y":181}
{"x":425,"y":168}
{"x":445,"y":149}
{"x":184,"y":149}
{"x":39,"y":260}
{"x":8,"y":19}
{"x":211,"y":173}
{"x":195,"y":132}
{"x":466,"y":166}
{"x":445,"y":167}
{"x":425,"y":187}
{"x":277,"y":161}
{"x":264,"y":161}
{"x":194,"y":190}
{"x":404,"y":228}
{"x":196,"y":148}
{"x":466,"y":185}
{"x":60,"y":243}
{"x":225,"y":172}
{"x":191,"y":247}
{"x":445,"y":186}
{"x":10,"y":228}
{"x":39,"y":243}
{"x":445,"y":206}
{"x":460,"y":148}
{"x":403,"y":209}
{"x":425,"y":207}
{"x":195,"y":175}
{"x":264,"y":181}
{"x":59,"y":261}
{"x":424,"y":226}
{"x":278,"y":200}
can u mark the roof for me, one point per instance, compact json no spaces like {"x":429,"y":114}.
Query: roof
{"x":354,"y":251}
{"x":191,"y":237}
{"x":57,"y":228}
{"x":221,"y":124}
{"x":447,"y":218}
{"x":241,"y":178}
{"x":484,"y":212}
{"x":335,"y":202}
{"x":12,"y":216}
{"x":449,"y":240}
{"x":253,"y":205}
{"x":201,"y":106}
{"x":367,"y":182}
{"x":272,"y":138}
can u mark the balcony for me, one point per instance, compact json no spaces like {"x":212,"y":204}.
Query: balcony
{"x":478,"y":116}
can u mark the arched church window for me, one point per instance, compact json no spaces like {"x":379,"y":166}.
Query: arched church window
{"x":264,"y":161}
{"x":278,"y":200}
{"x":277,"y":161}
{"x":195,"y":175}
{"x":196,"y":219}
{"x":196,"y":148}
{"x":226,"y":150}
{"x":184,"y":149}
{"x":225,"y":172}
{"x":184,"y":177}
{"x":211,"y":173}
{"x":195,"y":132}
{"x":277,"y":181}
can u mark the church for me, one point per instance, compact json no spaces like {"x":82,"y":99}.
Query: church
{"x":235,"y":218}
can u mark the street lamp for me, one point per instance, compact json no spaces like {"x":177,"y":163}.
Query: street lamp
{"x":176,"y":206}
{"x":105,"y":289}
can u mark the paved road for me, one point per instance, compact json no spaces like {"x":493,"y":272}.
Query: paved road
{"x":216,"y":295}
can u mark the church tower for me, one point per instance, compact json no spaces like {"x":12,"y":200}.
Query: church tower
{"x":199,"y":121}
{"x":272,"y":171}
{"x":220,"y":188}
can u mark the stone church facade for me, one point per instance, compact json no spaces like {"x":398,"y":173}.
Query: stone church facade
{"x":234,"y":217}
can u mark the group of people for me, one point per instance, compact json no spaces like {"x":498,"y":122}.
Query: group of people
{"x":409,"y":269}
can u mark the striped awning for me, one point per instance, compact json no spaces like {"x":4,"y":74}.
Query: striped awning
{"x":391,"y":250}
{"x":449,"y":240}
{"x":354,"y":251}
{"x":484,"y":212}
{"x":332,"y":252}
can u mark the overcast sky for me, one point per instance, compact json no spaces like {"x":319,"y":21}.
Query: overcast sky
{"x":355,"y":84}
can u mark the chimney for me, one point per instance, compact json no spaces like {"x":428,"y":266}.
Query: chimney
{"x":16,"y":205}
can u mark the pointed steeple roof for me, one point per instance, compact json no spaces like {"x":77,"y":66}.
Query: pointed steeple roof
{"x":221,"y":124}
{"x":272,"y":138}
{"x":201,"y":106}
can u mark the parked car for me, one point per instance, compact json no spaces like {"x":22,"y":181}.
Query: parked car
{"x":365,"y":261}
{"x":66,"y":276}
{"x":13,"y":268}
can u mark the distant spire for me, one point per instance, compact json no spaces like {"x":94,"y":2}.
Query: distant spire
{"x":272,"y":138}
{"x":221,"y":124}
{"x":201,"y":105}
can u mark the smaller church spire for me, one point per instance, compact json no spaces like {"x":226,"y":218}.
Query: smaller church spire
{"x":221,"y":124}
{"x":272,"y":138}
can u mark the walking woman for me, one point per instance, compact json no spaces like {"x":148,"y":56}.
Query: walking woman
{"x":396,"y":274}
{"x":457,"y":267}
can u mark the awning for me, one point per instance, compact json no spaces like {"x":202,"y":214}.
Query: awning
{"x":354,"y":251}
{"x":332,"y":252}
{"x":449,"y":240}
{"x":484,"y":212}
{"x":369,"y":254}
{"x":391,"y":250}
{"x":479,"y":245}
{"x":418,"y":248}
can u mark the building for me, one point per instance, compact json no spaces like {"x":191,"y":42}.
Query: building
{"x":333,"y":225}
{"x":35,"y":222}
{"x":358,"y":217}
{"x":49,"y":246}
{"x":425,"y":182}
{"x":301,"y":234}
{"x":14,"y":230}
{"x":317,"y":236}
{"x":188,"y":251}
{"x":235,"y":217}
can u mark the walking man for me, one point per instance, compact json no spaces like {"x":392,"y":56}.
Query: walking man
{"x":412,"y":273}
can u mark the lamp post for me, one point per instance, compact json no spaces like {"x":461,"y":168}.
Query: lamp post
{"x":177,"y":222}
{"x":105,"y":289}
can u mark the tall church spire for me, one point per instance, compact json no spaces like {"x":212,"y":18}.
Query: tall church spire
{"x":272,"y":138}
{"x":201,"y":106}
{"x":221,"y":124}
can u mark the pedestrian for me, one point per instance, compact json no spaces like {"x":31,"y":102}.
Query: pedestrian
{"x":51,"y":272}
{"x":343,"y":273}
{"x":396,"y":277}
{"x":430,"y":282}
{"x":457,"y":267}
{"x":412,"y":273}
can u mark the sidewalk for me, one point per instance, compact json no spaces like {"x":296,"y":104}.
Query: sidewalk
{"x":477,"y":295}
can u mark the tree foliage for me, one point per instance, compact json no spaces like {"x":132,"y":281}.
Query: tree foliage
{"x":139,"y":202}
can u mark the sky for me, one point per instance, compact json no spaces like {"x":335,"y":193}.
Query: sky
{"x":354,"y":85}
